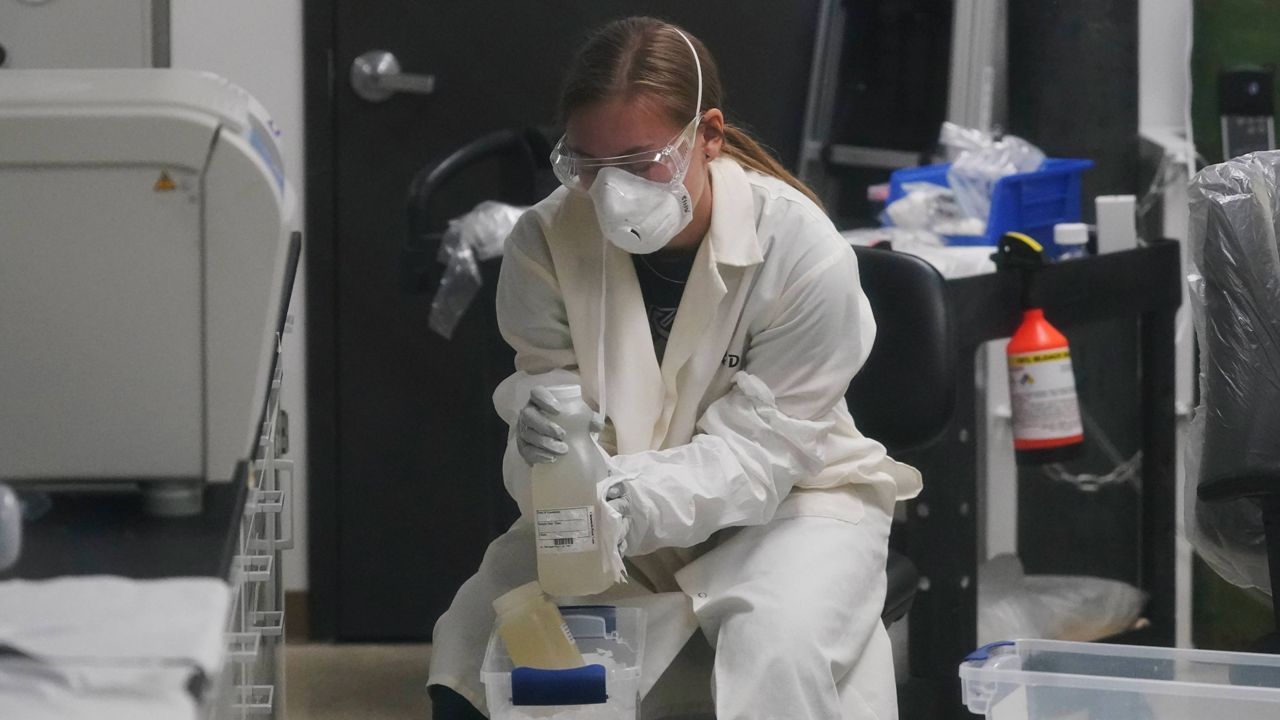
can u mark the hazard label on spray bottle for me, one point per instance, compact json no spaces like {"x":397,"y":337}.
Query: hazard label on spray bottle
{"x":566,"y":530}
{"x":1042,"y":387}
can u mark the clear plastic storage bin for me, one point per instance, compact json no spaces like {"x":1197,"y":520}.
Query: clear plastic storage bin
{"x":1044,"y":679}
{"x":612,"y":643}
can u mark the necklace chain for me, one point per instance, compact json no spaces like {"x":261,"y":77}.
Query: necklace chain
{"x":654,"y":270}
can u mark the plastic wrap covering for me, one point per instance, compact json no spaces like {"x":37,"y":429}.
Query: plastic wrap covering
{"x":1234,"y":450}
{"x":469,"y":239}
{"x":982,"y":161}
{"x":1012,"y":604}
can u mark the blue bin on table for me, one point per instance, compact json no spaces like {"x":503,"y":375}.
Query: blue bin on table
{"x":1030,"y":203}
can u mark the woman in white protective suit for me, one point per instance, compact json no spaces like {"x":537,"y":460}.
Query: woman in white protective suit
{"x":704,"y":301}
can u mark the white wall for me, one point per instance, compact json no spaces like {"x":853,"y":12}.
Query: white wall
{"x":1164,"y":90}
{"x":257,"y":44}
{"x":1164,"y":116}
{"x":76,"y":34}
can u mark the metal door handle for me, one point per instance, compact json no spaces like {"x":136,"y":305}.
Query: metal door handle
{"x":376,"y":76}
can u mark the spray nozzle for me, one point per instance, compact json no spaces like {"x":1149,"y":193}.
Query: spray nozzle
{"x":1020,"y":253}
{"x":1017,"y":251}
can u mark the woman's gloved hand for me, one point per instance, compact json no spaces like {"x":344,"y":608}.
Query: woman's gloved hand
{"x":616,"y":498}
{"x":538,"y":438}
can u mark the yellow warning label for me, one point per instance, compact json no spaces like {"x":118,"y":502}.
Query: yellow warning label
{"x":1033,"y":358}
{"x":164,"y":183}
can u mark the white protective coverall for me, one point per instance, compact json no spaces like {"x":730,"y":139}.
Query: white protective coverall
{"x":758,"y":511}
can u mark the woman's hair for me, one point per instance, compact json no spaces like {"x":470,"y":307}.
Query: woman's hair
{"x":643,"y":57}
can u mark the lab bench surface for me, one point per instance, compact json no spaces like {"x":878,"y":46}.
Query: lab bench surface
{"x":110,"y":533}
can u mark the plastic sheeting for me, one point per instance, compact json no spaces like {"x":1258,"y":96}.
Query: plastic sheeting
{"x":982,"y":161}
{"x":1013,"y":605}
{"x":1234,"y":283}
{"x":473,"y":237}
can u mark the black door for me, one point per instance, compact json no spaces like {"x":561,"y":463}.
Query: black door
{"x":406,"y":486}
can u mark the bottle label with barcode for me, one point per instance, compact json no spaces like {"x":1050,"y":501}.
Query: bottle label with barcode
{"x":566,"y":530}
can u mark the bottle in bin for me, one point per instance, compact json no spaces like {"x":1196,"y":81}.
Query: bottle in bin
{"x":534,"y":631}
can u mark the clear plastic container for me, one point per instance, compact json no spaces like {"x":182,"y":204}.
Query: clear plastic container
{"x":1044,"y":679}
{"x":533,"y":631}
{"x":612,"y":644}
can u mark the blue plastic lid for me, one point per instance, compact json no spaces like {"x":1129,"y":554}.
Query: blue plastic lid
{"x":575,"y":686}
{"x":984,"y":652}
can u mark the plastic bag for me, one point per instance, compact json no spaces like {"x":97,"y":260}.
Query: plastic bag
{"x":1234,"y":283}
{"x":923,"y":206}
{"x":473,"y":237}
{"x":982,"y":161}
{"x":1055,"y":607}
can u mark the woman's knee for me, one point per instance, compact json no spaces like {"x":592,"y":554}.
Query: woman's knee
{"x":775,"y":640}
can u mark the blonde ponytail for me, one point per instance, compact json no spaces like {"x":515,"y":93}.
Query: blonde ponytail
{"x":740,"y":146}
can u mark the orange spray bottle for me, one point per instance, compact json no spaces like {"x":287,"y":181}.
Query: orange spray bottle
{"x":1042,"y":387}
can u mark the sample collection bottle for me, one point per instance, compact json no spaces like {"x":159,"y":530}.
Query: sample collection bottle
{"x":534,"y":631}
{"x":571,"y":560}
{"x":1072,"y":240}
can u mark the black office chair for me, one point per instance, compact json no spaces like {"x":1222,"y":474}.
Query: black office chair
{"x":904,"y":396}
{"x":1233,"y":248}
{"x":441,"y":191}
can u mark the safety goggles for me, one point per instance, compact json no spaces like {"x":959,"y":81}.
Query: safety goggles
{"x":666,"y":165}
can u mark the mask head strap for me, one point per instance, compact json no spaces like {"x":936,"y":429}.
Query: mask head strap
{"x":602,"y":391}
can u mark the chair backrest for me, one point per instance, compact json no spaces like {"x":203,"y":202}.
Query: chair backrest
{"x":1234,"y":458}
{"x":904,"y":396}
{"x":1233,"y":251}
{"x":523,"y":156}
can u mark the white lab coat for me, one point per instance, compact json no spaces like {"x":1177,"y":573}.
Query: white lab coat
{"x":744,"y":425}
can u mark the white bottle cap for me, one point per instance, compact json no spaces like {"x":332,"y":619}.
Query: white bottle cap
{"x":566,"y":392}
{"x":1071,"y":234}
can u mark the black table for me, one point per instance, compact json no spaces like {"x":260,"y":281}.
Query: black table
{"x":100,"y":533}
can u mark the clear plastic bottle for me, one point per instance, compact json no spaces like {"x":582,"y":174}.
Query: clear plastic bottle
{"x":534,"y":631}
{"x":1072,"y":240}
{"x":571,"y":559}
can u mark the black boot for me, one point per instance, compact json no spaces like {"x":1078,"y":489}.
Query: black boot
{"x":449,"y":705}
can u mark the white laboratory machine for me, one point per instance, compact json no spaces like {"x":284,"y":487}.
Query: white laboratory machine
{"x":145,"y":248}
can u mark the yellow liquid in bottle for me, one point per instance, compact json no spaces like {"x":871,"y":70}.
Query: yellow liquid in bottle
{"x":534,"y":631}
{"x":571,"y":553}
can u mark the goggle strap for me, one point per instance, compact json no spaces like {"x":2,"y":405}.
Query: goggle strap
{"x":697,"y":64}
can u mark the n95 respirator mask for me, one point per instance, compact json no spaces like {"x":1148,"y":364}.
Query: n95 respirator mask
{"x":638,"y":215}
